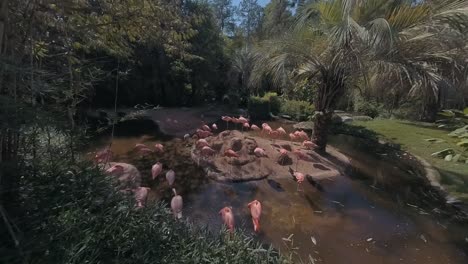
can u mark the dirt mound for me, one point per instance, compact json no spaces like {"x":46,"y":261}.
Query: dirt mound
{"x":274,"y":165}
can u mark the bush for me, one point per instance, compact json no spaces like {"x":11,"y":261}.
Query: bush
{"x":368,"y":108}
{"x":298,"y":110}
{"x":261,"y":107}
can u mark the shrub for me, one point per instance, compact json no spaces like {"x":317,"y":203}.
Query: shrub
{"x":261,"y":107}
{"x":368,"y":108}
{"x":298,"y":110}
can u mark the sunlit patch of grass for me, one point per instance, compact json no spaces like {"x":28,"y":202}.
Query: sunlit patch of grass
{"x":413,"y":138}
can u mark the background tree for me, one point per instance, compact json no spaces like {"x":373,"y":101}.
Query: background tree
{"x":277,"y":18}
{"x":250,"y":14}
{"x":224,"y":13}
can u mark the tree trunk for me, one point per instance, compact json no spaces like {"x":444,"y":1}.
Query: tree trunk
{"x":322,"y":122}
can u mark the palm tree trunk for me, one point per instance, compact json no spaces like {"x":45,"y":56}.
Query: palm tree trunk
{"x":322,"y":122}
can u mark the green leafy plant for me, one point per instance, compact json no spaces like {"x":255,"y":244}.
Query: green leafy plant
{"x":298,"y":110}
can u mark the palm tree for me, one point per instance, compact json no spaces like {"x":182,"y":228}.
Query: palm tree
{"x":340,"y":42}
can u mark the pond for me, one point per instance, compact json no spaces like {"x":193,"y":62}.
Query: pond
{"x":378,"y":212}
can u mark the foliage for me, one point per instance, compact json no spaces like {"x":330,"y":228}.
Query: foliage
{"x":368,"y":108}
{"x":262,"y":107}
{"x":224,"y":13}
{"x":250,"y":14}
{"x":277,"y":18}
{"x":298,"y":110}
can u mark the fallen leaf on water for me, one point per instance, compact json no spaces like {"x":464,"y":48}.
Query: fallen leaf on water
{"x":313,"y":240}
{"x":423,"y":238}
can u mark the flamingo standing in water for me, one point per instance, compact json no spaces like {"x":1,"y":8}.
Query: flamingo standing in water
{"x":156,"y":170}
{"x":170,"y":177}
{"x":176,"y":205}
{"x":255,"y":211}
{"x":228,"y":218}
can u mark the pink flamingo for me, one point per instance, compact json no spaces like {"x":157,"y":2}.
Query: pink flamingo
{"x":231,"y":154}
{"x":242,"y":120}
{"x":283,"y":154}
{"x":156,"y":170}
{"x":176,"y":205}
{"x":202,"y":143}
{"x":254,"y":128}
{"x":170,"y":177}
{"x":214,"y":127}
{"x":301,"y":135}
{"x":266,"y":128}
{"x":206,"y":128}
{"x":255,"y":211}
{"x":115,"y":170}
{"x":145,"y":151}
{"x":203,"y":133}
{"x":299,"y":176}
{"x":246,"y":126}
{"x":159,"y":148}
{"x":309,"y":144}
{"x":259,"y":152}
{"x":274,"y":135}
{"x":281,"y":131}
{"x":141,"y":194}
{"x":228,"y":218}
{"x":206,"y":151}
{"x":226,"y":119}
{"x":139,"y":146}
{"x":300,"y":156}
{"x":293,"y":137}
{"x":103,"y":156}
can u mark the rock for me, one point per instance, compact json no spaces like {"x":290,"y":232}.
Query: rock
{"x":336,"y":119}
{"x":306,"y":126}
{"x":362,"y":118}
{"x":448,"y":157}
{"x":236,"y":144}
{"x":286,"y":117}
{"x":250,"y":145}
{"x":346,"y":119}
{"x":443,"y":153}
{"x":456,"y":158}
{"x":285,"y":160}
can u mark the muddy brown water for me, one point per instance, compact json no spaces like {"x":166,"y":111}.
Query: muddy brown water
{"x":379,"y":212}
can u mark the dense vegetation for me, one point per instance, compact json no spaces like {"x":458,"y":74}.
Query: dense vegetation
{"x":59,"y":59}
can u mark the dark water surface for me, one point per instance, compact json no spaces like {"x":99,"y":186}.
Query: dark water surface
{"x":380,"y":212}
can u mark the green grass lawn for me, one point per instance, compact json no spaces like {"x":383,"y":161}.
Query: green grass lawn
{"x":411,"y":137}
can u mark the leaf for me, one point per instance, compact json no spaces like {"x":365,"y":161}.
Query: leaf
{"x":463,"y":143}
{"x":423,"y":238}
{"x":313,"y":240}
{"x":443,"y":153}
{"x":447,"y":113}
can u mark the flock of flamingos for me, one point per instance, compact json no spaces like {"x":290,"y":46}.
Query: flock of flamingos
{"x":226,"y":213}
